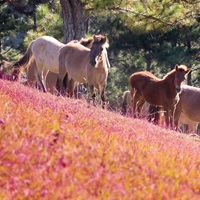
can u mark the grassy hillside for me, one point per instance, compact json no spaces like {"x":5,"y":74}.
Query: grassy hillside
{"x":56,"y":148}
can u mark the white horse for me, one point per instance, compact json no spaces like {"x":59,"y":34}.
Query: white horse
{"x":45,"y":52}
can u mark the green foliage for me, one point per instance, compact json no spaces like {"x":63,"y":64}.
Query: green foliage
{"x":48,"y":19}
{"x":12,"y":22}
{"x":11,"y":53}
{"x":49,"y":22}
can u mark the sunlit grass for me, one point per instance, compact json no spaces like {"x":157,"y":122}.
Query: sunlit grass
{"x":59,"y":148}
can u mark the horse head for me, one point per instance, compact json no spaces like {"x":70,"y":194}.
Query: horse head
{"x":99,"y":41}
{"x":180,"y":76}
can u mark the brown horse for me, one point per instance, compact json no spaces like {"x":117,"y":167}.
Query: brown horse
{"x":85,"y":65}
{"x":189,"y":104}
{"x":155,"y":115}
{"x":144,"y":86}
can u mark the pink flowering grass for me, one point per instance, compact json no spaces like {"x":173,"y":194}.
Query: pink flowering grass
{"x":58,"y":148}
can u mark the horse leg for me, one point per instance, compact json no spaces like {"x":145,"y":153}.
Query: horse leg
{"x":92,"y":92}
{"x":177,"y":114}
{"x":124,"y":107}
{"x":154,"y":114}
{"x":167,"y":115}
{"x":72,"y":88}
{"x":140,"y":103}
{"x":167,"y":118}
{"x":103,"y":96}
{"x":171,"y":117}
{"x":137,"y":104}
{"x":39,"y":75}
{"x":62,"y":82}
{"x":39,"y":80}
{"x":77,"y":93}
{"x":133,"y":102}
{"x":65,"y":85}
{"x":45,"y":72}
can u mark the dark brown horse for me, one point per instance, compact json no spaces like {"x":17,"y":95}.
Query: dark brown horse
{"x":144,"y":86}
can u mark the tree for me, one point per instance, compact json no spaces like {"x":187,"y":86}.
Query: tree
{"x":17,"y":18}
{"x":73,"y":19}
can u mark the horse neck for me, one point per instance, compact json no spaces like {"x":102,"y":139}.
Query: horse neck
{"x":169,"y":81}
{"x":104,"y":62}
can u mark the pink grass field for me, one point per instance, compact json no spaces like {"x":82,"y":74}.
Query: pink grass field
{"x":58,"y":148}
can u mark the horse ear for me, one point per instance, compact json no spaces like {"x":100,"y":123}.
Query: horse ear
{"x":94,"y":38}
{"x":188,"y":70}
{"x":104,"y":39}
{"x":176,"y":67}
{"x":107,"y":40}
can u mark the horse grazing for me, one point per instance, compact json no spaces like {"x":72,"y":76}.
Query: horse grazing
{"x":188,"y":104}
{"x":85,"y":65}
{"x":45,"y":52}
{"x":6,"y":74}
{"x":144,"y":86}
{"x":152,"y":113}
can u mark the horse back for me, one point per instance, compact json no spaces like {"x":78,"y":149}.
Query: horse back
{"x":140,"y":79}
{"x":46,"y":51}
{"x":148,"y":86}
{"x":189,"y":102}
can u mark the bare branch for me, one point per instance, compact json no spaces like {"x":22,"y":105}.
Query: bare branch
{"x":144,"y":15}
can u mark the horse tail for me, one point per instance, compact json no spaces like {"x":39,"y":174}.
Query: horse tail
{"x":25,"y":58}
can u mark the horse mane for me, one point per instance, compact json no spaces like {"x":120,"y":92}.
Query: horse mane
{"x":177,"y":68}
{"x":85,"y":42}
{"x":182,"y":68}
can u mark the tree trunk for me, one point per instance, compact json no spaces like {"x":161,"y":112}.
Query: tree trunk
{"x":148,"y":60}
{"x":189,"y":78}
{"x":1,"y":48}
{"x":73,"y":20}
{"x":34,"y":16}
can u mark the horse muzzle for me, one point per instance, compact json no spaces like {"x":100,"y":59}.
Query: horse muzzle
{"x":93,"y":63}
{"x":178,"y":89}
